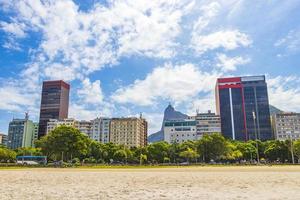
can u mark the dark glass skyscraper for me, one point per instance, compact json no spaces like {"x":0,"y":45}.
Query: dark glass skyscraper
{"x":243,"y":104}
{"x":54,"y":103}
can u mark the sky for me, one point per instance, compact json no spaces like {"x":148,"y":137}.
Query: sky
{"x":125,"y":57}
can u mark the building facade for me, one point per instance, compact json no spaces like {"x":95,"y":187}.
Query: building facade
{"x":20,"y":133}
{"x":207,"y":123}
{"x":3,"y":139}
{"x":243,"y":105}
{"x":100,"y":130}
{"x":54,"y":103}
{"x":286,"y":126}
{"x":82,"y":126}
{"x":178,"y":131}
{"x":131,"y":132}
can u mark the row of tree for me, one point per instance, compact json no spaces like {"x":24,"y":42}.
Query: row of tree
{"x":68,"y":144}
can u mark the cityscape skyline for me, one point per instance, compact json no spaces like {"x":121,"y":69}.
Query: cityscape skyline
{"x":180,"y":45}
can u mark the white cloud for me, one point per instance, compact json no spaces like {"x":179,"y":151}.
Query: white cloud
{"x":91,"y":92}
{"x":177,"y":83}
{"x":80,"y":42}
{"x":225,"y":39}
{"x":15,"y":96}
{"x":154,"y":121}
{"x":208,"y":11}
{"x":284,"y":93}
{"x":202,"y":104}
{"x":16,"y":29}
{"x":290,"y":42}
{"x":82,"y":112}
{"x":226,"y":63}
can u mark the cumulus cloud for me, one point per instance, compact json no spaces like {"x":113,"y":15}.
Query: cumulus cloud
{"x":284,"y":92}
{"x":226,"y":63}
{"x":16,"y":29}
{"x":86,"y":41}
{"x":224,"y":39}
{"x":91,"y":92}
{"x":202,"y":104}
{"x":14,"y":97}
{"x":171,"y":82}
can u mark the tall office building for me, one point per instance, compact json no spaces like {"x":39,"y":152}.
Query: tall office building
{"x":54,"y":103}
{"x":20,"y":133}
{"x":131,"y":132}
{"x":243,"y":105}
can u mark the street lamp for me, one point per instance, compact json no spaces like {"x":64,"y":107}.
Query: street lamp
{"x":256,"y":139}
{"x":291,"y":141}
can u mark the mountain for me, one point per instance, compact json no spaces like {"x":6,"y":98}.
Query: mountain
{"x":169,"y":114}
{"x":274,"y":110}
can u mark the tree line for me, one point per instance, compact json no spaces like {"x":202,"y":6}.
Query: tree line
{"x":69,"y":145}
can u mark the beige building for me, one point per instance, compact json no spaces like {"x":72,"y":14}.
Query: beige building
{"x":207,"y":123}
{"x":131,"y":132}
{"x":286,"y":126}
{"x":3,"y":139}
{"x":83,"y":126}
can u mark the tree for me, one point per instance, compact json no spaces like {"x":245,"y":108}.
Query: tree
{"x":174,"y":150}
{"x":232,"y":152}
{"x":143,"y":159}
{"x":211,"y":146}
{"x":276,"y":150}
{"x":158,"y":151}
{"x":247,"y":149}
{"x":97,"y":151}
{"x":120,"y":155}
{"x":297,"y":149}
{"x":29,"y":151}
{"x":64,"y":143}
{"x":189,"y":154}
{"x":7,"y":155}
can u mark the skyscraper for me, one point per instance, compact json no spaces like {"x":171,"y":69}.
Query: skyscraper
{"x":243,"y":104}
{"x":54,"y":103}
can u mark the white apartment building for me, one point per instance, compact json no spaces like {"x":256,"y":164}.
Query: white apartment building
{"x":100,"y":129}
{"x":178,"y":131}
{"x":207,"y":123}
{"x":83,"y":126}
{"x":286,"y":126}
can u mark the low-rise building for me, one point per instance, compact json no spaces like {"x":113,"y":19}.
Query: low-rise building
{"x":3,"y":139}
{"x":178,"y":131}
{"x":20,"y":133}
{"x":207,"y":123}
{"x":131,"y":132}
{"x":82,"y":126}
{"x":100,"y":129}
{"x":286,"y":126}
{"x":53,"y":123}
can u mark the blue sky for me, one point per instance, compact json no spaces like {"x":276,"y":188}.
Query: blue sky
{"x":124,"y":57}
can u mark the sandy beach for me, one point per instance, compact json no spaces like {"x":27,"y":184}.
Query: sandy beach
{"x":282,"y":182}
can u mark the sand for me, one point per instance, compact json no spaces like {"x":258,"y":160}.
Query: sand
{"x":152,"y":183}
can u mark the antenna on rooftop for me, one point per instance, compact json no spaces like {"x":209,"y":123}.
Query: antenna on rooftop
{"x":26,"y":115}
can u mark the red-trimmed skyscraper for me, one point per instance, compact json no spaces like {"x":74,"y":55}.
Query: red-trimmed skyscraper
{"x":54,"y":103}
{"x":243,"y":105}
